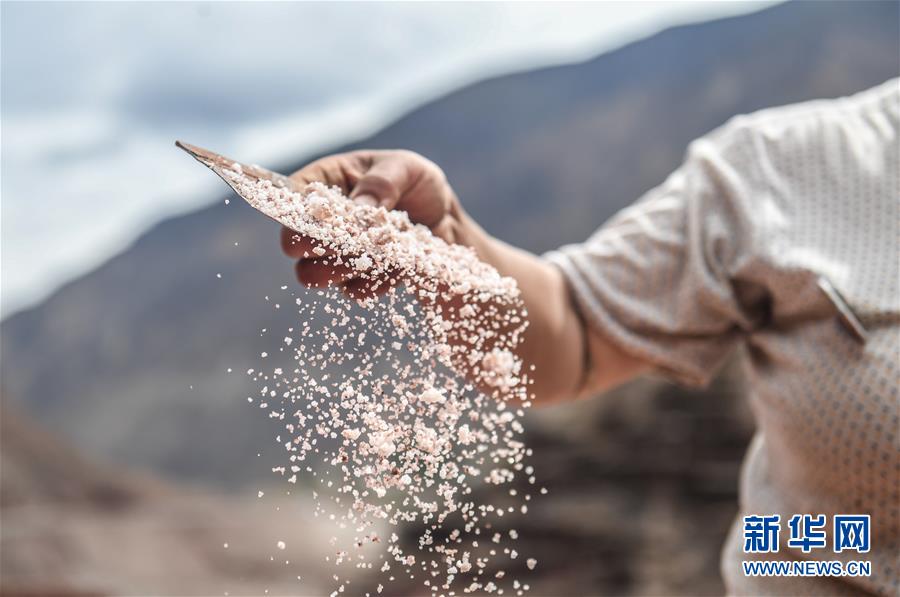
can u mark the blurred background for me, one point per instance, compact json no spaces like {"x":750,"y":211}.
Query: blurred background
{"x":130,"y":462}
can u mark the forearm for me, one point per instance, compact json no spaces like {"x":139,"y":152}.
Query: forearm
{"x":554,"y":342}
{"x":569,"y":359}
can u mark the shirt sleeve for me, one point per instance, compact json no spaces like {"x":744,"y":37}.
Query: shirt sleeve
{"x":656,"y":280}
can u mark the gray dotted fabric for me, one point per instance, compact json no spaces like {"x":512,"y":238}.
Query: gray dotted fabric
{"x":731,"y":251}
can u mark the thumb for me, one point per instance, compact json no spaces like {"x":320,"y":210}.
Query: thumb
{"x":384,"y":182}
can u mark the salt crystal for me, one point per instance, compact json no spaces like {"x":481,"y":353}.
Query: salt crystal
{"x":351,"y":434}
{"x":464,"y":435}
{"x":363,"y":263}
{"x":431,"y":396}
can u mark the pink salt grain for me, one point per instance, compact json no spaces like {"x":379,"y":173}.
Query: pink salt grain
{"x":431,"y":396}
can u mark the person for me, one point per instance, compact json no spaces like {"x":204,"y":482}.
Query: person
{"x":778,"y":234}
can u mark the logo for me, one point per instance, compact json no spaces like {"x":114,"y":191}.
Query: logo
{"x":761,"y":533}
{"x":808,"y":533}
{"x":851,"y":532}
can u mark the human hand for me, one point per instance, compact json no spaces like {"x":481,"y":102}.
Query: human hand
{"x":395,"y":179}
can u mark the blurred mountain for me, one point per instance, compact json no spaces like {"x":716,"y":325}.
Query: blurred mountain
{"x":36,"y":466}
{"x":73,"y":527}
{"x":130,"y":361}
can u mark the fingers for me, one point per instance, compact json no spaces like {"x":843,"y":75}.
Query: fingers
{"x":370,"y":176}
{"x":322,"y":272}
{"x":367,"y":176}
{"x":364,"y":289}
{"x":341,"y":170}
{"x":385,"y":181}
{"x":301,"y":247}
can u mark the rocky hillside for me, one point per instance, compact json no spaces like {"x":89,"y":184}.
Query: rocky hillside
{"x":72,"y":526}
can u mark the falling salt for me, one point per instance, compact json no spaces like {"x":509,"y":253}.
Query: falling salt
{"x":376,"y":393}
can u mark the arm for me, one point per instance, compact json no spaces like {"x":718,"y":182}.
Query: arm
{"x":556,"y":342}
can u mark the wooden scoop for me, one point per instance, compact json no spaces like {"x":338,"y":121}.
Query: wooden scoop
{"x":217,"y":163}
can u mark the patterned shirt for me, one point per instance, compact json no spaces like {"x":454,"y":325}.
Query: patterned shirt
{"x":780,"y":234}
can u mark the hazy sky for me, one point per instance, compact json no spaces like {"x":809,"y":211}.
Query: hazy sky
{"x":93,"y":96}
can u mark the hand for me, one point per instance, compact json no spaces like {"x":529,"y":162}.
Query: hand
{"x":395,"y":179}
{"x":555,"y":342}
